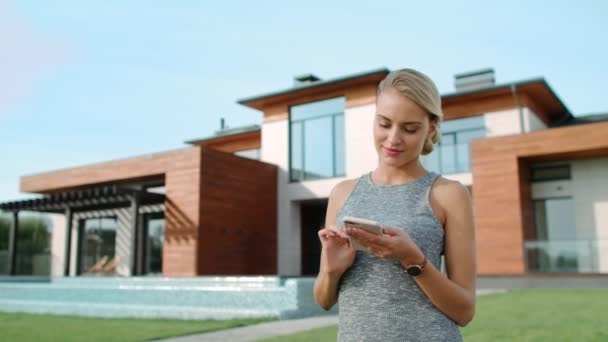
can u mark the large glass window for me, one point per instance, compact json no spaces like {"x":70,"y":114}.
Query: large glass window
{"x":155,"y":227}
{"x":5,"y":224}
{"x":556,"y":248}
{"x":33,"y":255}
{"x":453,"y":155}
{"x":317,"y":140}
{"x":98,"y":246}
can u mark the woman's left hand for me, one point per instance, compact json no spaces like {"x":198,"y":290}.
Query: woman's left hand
{"x":393,"y":243}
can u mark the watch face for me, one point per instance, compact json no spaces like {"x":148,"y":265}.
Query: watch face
{"x":414,"y":270}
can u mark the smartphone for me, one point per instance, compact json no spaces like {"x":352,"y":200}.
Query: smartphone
{"x":368,"y":225}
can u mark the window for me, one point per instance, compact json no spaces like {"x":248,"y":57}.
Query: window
{"x":33,"y":243}
{"x":5,"y":226}
{"x":555,"y":248}
{"x":550,"y":173}
{"x":453,"y":154}
{"x":155,"y":232}
{"x":98,"y":245}
{"x":316,"y":133}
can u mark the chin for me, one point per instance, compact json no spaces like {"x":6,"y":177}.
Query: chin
{"x":396,"y":162}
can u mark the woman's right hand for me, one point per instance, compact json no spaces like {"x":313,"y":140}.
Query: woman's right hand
{"x":336,"y":254}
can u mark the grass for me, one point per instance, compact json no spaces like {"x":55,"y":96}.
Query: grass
{"x":28,"y":327}
{"x":522,"y":315}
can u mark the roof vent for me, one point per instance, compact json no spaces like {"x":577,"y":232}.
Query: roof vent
{"x":305,"y":79}
{"x":474,"y":80}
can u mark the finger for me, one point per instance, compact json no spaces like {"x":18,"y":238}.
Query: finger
{"x":390,"y":231}
{"x":378,"y":253}
{"x":338,"y":232}
{"x":325,"y":234}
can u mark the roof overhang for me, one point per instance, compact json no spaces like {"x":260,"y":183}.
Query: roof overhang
{"x":293,"y":94}
{"x":535,"y":93}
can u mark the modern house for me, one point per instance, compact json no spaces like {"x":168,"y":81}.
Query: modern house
{"x":249,"y":201}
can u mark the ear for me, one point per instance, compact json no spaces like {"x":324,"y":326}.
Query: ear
{"x":432,"y":127}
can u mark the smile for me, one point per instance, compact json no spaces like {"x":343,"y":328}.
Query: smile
{"x":391,"y":152}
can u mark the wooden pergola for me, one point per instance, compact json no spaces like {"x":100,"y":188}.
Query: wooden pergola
{"x":68,"y":202}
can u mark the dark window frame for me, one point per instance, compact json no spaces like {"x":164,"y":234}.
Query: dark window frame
{"x":535,"y":169}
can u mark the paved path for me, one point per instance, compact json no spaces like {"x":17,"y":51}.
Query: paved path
{"x":275,"y":328}
{"x":260,"y":331}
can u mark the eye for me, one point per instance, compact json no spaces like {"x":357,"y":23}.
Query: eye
{"x":410,"y":130}
{"x":384,"y":125}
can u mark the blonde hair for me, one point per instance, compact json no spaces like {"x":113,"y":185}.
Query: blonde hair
{"x":419,"y":88}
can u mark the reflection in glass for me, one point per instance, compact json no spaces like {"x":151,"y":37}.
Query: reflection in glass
{"x":98,"y":245}
{"x":556,"y":248}
{"x":317,"y":140}
{"x":154,"y":245}
{"x":318,"y":148}
{"x":340,"y":152}
{"x":33,"y":244}
{"x":5,"y":224}
{"x":296,"y":150}
{"x":453,"y":155}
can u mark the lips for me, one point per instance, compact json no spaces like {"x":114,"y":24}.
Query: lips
{"x":391,"y":152}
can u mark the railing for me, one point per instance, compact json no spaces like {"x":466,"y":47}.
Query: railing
{"x":578,"y":256}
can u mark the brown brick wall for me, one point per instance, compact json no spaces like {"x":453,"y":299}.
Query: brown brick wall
{"x":501,"y":187}
{"x":238,"y":215}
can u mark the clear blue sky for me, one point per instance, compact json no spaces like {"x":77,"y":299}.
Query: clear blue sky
{"x":89,"y":81}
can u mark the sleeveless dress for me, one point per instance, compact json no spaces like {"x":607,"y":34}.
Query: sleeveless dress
{"x":377,"y":300}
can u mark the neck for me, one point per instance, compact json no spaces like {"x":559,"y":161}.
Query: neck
{"x":390,"y":175}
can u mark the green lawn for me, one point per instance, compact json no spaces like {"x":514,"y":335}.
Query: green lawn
{"x":522,"y":315}
{"x":26,"y":327}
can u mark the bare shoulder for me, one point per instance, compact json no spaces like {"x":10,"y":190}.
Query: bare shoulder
{"x":448,"y":196}
{"x":342,"y":190}
{"x":337,"y":198}
{"x":447,"y":190}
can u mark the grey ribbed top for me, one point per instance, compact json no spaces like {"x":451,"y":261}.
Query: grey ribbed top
{"x":377,"y":300}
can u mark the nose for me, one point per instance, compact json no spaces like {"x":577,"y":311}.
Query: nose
{"x":393,"y":137}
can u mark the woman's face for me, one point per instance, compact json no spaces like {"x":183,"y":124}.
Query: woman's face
{"x":400,"y":128}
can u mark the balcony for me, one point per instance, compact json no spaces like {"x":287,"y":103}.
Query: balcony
{"x":566,"y":256}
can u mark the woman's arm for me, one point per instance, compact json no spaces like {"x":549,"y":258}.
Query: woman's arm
{"x":336,"y":253}
{"x":454,"y":294}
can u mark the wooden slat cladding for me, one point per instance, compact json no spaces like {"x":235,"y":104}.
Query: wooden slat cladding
{"x":501,"y":190}
{"x":238,"y":215}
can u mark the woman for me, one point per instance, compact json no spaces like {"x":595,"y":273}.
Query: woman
{"x":395,"y":290}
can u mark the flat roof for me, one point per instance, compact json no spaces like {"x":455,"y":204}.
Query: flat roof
{"x":226,"y":133}
{"x":504,"y":86}
{"x":536,"y":86}
{"x":249,"y":101}
{"x":584,"y":119}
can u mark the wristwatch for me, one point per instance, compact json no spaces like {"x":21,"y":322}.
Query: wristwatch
{"x":416,"y":270}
